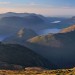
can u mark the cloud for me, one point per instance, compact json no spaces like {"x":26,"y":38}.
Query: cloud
{"x":4,"y":2}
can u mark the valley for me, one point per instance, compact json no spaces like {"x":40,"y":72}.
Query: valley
{"x":37,"y":37}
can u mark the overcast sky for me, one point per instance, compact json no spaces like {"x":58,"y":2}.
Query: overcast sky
{"x":45,"y":7}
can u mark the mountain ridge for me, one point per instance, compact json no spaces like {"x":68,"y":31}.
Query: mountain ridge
{"x":20,"y":55}
{"x":68,"y":29}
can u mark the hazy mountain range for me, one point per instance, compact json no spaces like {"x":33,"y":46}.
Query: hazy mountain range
{"x":57,"y":48}
{"x":38,"y":46}
{"x":36,"y":22}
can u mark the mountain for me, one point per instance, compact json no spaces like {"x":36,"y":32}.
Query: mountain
{"x":32,"y":20}
{"x":58,"y":48}
{"x":10,"y":14}
{"x":16,"y":54}
{"x":65,"y":23}
{"x":47,"y":40}
{"x":20,"y":37}
{"x":52,"y":39}
{"x":15,"y":21}
{"x":50,"y":19}
{"x":68,"y":29}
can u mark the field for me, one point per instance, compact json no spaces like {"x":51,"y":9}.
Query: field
{"x":38,"y":72}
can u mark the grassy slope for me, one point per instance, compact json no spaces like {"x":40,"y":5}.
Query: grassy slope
{"x":41,"y":72}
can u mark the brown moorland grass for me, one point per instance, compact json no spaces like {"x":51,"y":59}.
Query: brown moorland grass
{"x":39,"y":72}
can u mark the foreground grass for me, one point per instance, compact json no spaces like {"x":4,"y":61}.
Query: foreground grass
{"x":40,"y":72}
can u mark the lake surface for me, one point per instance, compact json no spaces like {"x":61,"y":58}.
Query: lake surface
{"x":47,"y":31}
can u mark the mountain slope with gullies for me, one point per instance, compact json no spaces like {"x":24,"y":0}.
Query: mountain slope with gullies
{"x":20,"y":37}
{"x":19,"y":55}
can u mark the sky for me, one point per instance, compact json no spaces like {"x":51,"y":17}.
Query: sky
{"x":45,"y":7}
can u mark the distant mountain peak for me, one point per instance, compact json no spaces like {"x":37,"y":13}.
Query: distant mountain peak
{"x":20,"y":55}
{"x":68,"y":29}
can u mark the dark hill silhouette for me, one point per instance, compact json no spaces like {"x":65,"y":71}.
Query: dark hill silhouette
{"x":16,"y":54}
